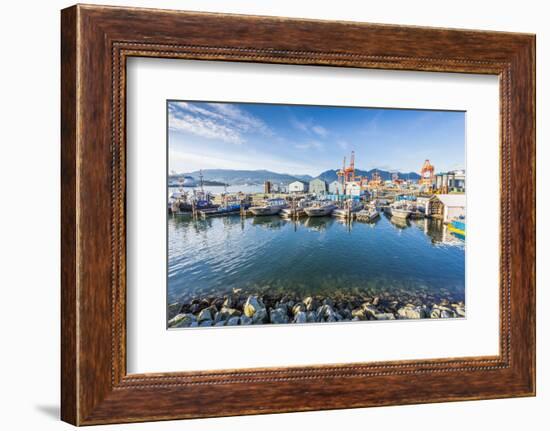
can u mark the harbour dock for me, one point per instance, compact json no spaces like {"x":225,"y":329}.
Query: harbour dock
{"x":351,"y":197}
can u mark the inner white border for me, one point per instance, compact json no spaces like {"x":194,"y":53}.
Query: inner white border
{"x":152,"y":348}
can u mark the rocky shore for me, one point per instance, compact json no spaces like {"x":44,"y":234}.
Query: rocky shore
{"x":237,"y":308}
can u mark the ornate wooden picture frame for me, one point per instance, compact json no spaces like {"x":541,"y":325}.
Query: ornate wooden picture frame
{"x":96,"y":41}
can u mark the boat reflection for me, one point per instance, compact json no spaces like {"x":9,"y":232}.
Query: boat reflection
{"x":400,"y":222}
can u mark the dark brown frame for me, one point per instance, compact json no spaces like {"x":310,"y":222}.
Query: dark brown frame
{"x":95,"y":43}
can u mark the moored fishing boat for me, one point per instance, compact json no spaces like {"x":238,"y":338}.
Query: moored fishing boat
{"x":271,"y":207}
{"x":400,"y":210}
{"x":296,"y":209}
{"x":320,"y":209}
{"x":350,"y":207}
{"x":230,"y":205}
{"x":368,"y":214}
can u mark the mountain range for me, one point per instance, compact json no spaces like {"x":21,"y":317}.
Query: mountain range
{"x":331,"y":175}
{"x":240,"y":177}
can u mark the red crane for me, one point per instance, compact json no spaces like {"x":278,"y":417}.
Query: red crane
{"x":427,"y":174}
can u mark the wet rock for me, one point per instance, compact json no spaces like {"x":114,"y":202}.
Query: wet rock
{"x":283,"y":306}
{"x":233,"y":321}
{"x":230,"y":301}
{"x":447,"y":314}
{"x":411,"y":312}
{"x":326,"y":313}
{"x":206,"y":323}
{"x":245,"y":320}
{"x":310,"y":303}
{"x":311,"y":317}
{"x":185,"y":308}
{"x":278,"y":315}
{"x":229,"y":312}
{"x":370,"y":310}
{"x":346,"y":314}
{"x":260,"y":316}
{"x":435,"y":314}
{"x":216,"y":303}
{"x":393,"y":305}
{"x":220,"y":323}
{"x":359,"y":314}
{"x":205,"y":314}
{"x":174,"y":307}
{"x":329,"y":302}
{"x":181,"y":320}
{"x":252,"y":305}
{"x":300,"y":317}
{"x":384,"y":316}
{"x":460,"y":311}
{"x":299,"y":307}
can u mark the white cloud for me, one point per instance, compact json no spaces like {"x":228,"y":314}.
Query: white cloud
{"x":320,"y":130}
{"x":205,"y":127}
{"x":310,"y":145}
{"x":239,"y":118}
{"x":220,"y":121}
{"x":309,"y":127}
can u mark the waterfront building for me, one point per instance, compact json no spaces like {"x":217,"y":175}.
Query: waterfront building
{"x":455,"y":181}
{"x":424,"y":204}
{"x":448,"y":206}
{"x":335,"y":188}
{"x":318,"y":186}
{"x":298,"y":187}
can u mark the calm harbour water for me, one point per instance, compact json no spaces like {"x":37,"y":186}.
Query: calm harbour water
{"x":313,"y":255}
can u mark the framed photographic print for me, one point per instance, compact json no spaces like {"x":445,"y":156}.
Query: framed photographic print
{"x":330,"y":214}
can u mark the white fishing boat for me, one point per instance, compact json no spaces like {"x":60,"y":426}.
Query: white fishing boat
{"x":320,"y":209}
{"x":271,"y":207}
{"x":368,"y":214}
{"x":296,"y":209}
{"x":351,"y":206}
{"x":400,"y":210}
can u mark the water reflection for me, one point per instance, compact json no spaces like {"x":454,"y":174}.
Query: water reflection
{"x":400,"y":223}
{"x":215,"y":255}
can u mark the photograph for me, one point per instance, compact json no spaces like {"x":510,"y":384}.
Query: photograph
{"x":299,"y":214}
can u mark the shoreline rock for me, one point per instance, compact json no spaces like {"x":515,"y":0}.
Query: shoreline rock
{"x":238,"y":308}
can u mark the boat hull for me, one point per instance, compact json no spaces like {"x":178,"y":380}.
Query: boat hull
{"x":289,"y":212}
{"x":402,"y":214}
{"x":319,"y":212}
{"x":265,"y":211}
{"x":367,"y":216}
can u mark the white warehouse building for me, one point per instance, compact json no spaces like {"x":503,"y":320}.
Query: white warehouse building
{"x":449,"y":206}
{"x":297,"y":187}
{"x":318,"y":186}
{"x":335,"y":188}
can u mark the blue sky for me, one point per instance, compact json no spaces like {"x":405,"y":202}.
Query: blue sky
{"x":297,"y":139}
